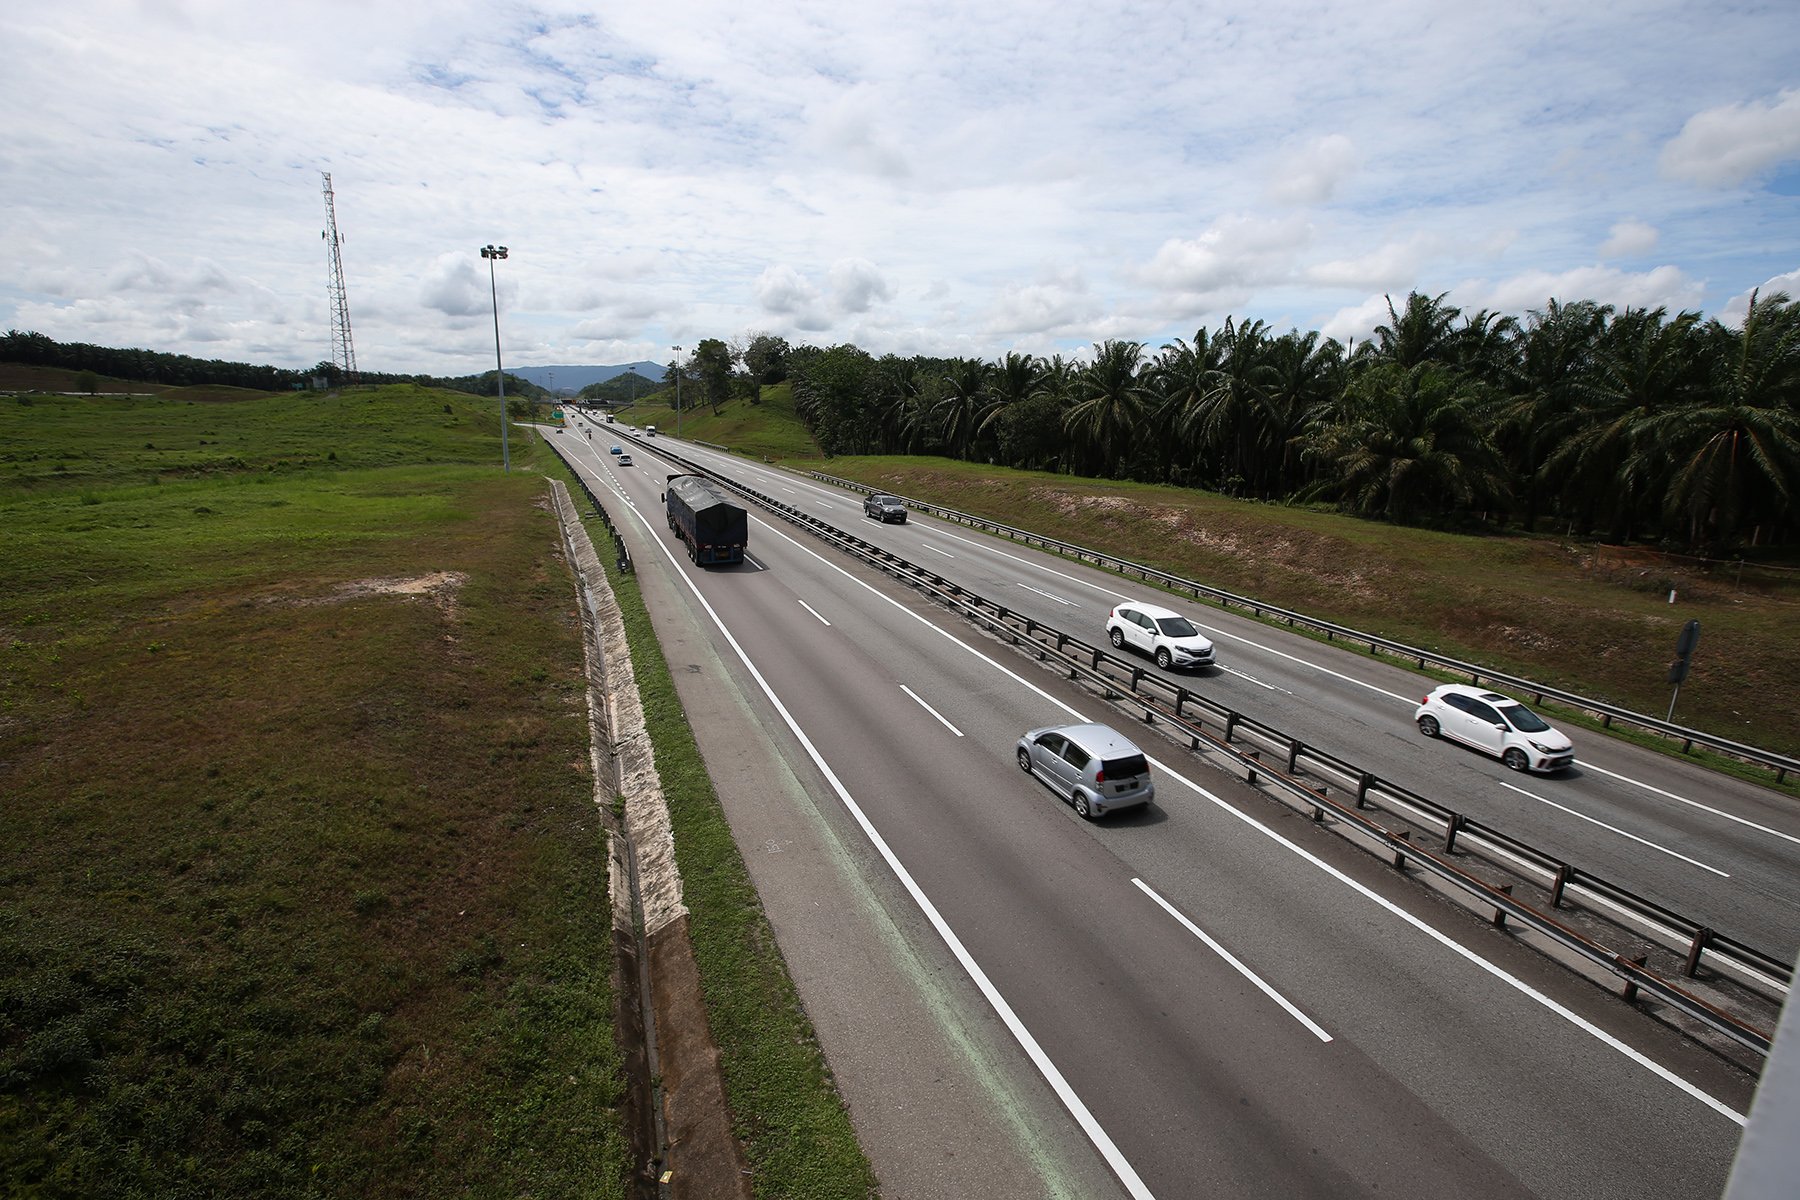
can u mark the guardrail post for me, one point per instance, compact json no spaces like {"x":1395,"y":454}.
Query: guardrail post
{"x":1181,"y":695}
{"x":1499,"y":918}
{"x":1405,"y":835}
{"x":1557,"y":886}
{"x":1293,"y":754}
{"x":1137,"y":677}
{"x":1231,"y":720}
{"x":1702,"y":936}
{"x":1255,"y":757}
{"x":1629,"y":992}
{"x":1362,"y":789}
{"x":1451,"y":829}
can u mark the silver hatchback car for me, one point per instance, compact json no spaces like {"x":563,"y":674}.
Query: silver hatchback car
{"x":1094,"y":767}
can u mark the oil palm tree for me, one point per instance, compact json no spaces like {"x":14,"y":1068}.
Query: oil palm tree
{"x":1112,"y":399}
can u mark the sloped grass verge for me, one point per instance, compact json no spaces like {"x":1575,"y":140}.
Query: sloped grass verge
{"x":796,"y":1132}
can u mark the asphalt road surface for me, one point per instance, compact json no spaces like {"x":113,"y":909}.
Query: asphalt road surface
{"x":1208,"y":997}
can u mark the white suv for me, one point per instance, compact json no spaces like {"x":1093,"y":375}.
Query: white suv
{"x":1496,"y":725}
{"x":1166,"y":636}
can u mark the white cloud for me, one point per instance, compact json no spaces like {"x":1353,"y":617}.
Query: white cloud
{"x":1665,"y":286}
{"x":779,"y":289}
{"x":1235,"y":253}
{"x":856,"y":284}
{"x":1629,"y":239}
{"x":1390,"y":266}
{"x":1056,"y":303}
{"x":1358,"y":322}
{"x":1724,"y":146}
{"x":452,"y":286}
{"x":1738,"y":307}
{"x":1311,"y":174}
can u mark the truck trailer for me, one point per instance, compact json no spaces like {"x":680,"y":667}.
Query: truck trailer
{"x":714,"y":528}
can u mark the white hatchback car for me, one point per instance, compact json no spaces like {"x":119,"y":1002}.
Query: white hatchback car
{"x":1164,"y":635}
{"x":1496,"y":725}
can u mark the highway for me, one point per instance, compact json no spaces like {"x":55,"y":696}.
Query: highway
{"x":1210,"y":997}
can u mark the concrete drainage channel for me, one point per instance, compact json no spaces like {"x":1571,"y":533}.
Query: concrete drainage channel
{"x":1745,"y":987}
{"x":676,"y":1116}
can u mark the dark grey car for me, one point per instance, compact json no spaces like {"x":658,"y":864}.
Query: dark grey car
{"x":884,"y":508}
{"x":1094,"y":767}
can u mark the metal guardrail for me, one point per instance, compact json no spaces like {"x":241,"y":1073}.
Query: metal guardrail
{"x":1781,"y":764}
{"x":624,"y":555}
{"x":1703,"y":946}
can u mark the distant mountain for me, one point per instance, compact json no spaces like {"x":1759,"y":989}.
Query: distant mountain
{"x":572,"y":379}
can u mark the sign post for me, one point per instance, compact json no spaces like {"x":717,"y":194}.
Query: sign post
{"x":1684,"y":653}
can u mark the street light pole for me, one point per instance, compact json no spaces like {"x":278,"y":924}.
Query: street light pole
{"x":491,"y":253}
{"x":677,"y":350}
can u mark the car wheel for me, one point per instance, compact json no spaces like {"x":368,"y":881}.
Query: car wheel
{"x":1515,"y":758}
{"x":1025,"y":761}
{"x":1428,"y":726}
{"x":1081,"y":806}
{"x":1117,"y":637}
{"x":1162,"y":657}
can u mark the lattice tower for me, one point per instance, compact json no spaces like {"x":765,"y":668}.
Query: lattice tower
{"x":343,"y":351}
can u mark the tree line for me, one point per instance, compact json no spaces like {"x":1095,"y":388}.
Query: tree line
{"x":1621,"y":424}
{"x":180,"y":370}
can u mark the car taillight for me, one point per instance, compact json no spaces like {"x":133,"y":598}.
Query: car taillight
{"x":1099,"y":776}
{"x":1425,"y":699}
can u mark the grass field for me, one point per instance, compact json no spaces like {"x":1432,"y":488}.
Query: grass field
{"x":303,"y":890}
{"x":769,"y":429}
{"x":1594,"y":620}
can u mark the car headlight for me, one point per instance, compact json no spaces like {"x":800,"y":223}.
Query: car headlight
{"x":1543,"y":749}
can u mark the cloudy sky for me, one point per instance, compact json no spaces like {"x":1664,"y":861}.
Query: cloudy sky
{"x":911,"y":177}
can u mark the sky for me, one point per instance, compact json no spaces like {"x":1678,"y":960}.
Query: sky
{"x":914,"y":178}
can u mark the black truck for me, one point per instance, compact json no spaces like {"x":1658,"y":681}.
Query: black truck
{"x":714,"y":528}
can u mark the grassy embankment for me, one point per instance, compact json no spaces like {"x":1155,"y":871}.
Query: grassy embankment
{"x":770,"y":429}
{"x":1594,"y":620}
{"x":304,"y":890}
{"x":796,"y":1133}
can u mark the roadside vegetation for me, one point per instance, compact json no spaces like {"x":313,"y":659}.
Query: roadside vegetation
{"x":302,"y":887}
{"x":796,"y":1132}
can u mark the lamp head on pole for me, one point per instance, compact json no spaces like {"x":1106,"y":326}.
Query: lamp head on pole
{"x":493,"y":251}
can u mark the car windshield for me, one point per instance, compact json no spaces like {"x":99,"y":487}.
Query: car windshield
{"x":885,"y":500}
{"x":1523,"y":719}
{"x":1177,"y":627}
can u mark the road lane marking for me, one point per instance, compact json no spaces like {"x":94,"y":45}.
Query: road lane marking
{"x":1048,"y":570}
{"x":1084,"y":1117}
{"x":1252,"y":679}
{"x":1049,"y":595}
{"x":753,"y":562}
{"x":815,"y":612}
{"x":1612,"y":828}
{"x":1451,"y":944}
{"x":1236,"y":965}
{"x":1269,"y":832}
{"x":934,"y":712}
{"x":1588,"y":766}
{"x":935,"y":550}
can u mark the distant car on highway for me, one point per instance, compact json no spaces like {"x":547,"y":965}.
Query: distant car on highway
{"x":1093,"y":767}
{"x":1496,"y":725}
{"x":884,"y":508}
{"x":617,"y":450}
{"x":1163,"y":634}
{"x":624,"y":460}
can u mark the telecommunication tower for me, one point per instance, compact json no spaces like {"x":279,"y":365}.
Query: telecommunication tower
{"x":343,"y":352}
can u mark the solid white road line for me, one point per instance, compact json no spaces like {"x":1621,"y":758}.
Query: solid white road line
{"x":935,"y":550}
{"x":1102,"y":1141}
{"x":1588,"y":766}
{"x":1611,"y":828}
{"x":934,"y":712}
{"x":815,"y":612}
{"x":1236,"y":965}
